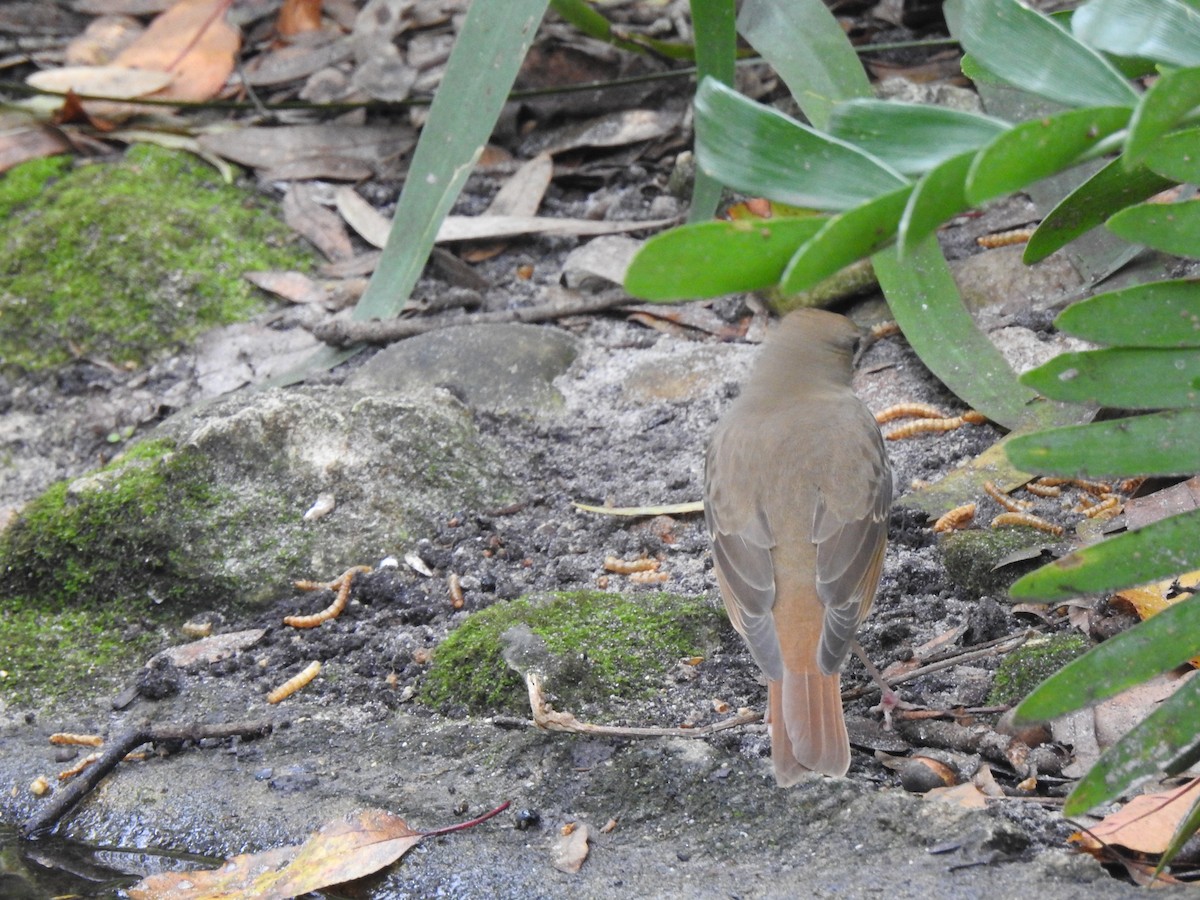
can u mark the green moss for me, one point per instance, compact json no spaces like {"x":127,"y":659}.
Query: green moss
{"x":48,"y":655}
{"x":1028,"y":666}
{"x":124,"y":261}
{"x":92,"y":542}
{"x":973,"y":558}
{"x":602,"y":645}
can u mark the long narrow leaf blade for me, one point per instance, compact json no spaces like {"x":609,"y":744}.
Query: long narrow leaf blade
{"x":844,"y":239}
{"x":1177,"y":156}
{"x":1170,"y":227}
{"x":1121,"y":377}
{"x":1107,"y":192}
{"x":1033,"y":52}
{"x":1150,"y":747}
{"x":1159,"y":550}
{"x":716,"y":57}
{"x":805,"y":44}
{"x":912,"y":137}
{"x":1159,"y":444}
{"x":1162,"y":30}
{"x":937,"y":196}
{"x":483,"y":65}
{"x":760,"y":151}
{"x":709,"y":259}
{"x":1152,"y":647}
{"x":1169,"y":99}
{"x":1038,"y":148}
{"x":925,"y":301}
{"x":1159,"y":314}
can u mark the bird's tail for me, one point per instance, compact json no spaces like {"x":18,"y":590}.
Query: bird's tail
{"x":808,"y":732}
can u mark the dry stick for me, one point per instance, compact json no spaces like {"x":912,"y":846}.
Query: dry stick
{"x":65,"y":800}
{"x":347,"y":333}
{"x":549,"y":719}
{"x":982,"y":651}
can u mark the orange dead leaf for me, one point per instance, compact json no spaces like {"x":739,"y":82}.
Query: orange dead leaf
{"x":298,"y":16}
{"x":1145,"y":824}
{"x":192,"y":41}
{"x":1151,"y":599}
{"x":341,"y":851}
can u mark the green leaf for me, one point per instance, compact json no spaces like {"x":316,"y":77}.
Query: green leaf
{"x":1157,"y":645}
{"x":1159,"y":314}
{"x":588,"y":21}
{"x":492,"y":43}
{"x":716,"y":57}
{"x":911,"y":137}
{"x":1028,"y":50}
{"x":483,"y":65}
{"x":757,"y":150}
{"x":1122,"y":377}
{"x":938,"y":195}
{"x":1108,"y":191}
{"x":1163,"y":30}
{"x":1177,"y":156}
{"x":1170,"y":227}
{"x":1153,"y":745}
{"x":1159,"y":550}
{"x":1169,"y":99}
{"x":1160,"y":444}
{"x":846,"y":237}
{"x":804,"y":43}
{"x":926,"y":304}
{"x":709,"y":259}
{"x":1038,"y":148}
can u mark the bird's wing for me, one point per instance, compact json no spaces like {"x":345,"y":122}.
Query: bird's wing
{"x":742,"y":542}
{"x":850,"y":531}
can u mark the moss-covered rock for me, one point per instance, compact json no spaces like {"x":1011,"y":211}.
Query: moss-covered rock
{"x":595,"y":645}
{"x":1028,"y":666}
{"x":210,"y":512}
{"x":123,"y":260}
{"x":973,"y":558}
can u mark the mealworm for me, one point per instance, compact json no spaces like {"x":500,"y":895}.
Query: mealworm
{"x":78,"y":767}
{"x":956,"y":518}
{"x":341,"y":584}
{"x":924,"y":426}
{"x":294,"y":683}
{"x":1109,"y":504}
{"x":628,"y":567}
{"x":456,"y":591}
{"x":40,"y":786}
{"x":1027,"y":520}
{"x":1009,"y":503}
{"x":909,"y":411}
{"x":649,"y":577}
{"x":883,"y":330}
{"x":1005,"y":238}
{"x":1040,"y":489}
{"x":81,"y":740}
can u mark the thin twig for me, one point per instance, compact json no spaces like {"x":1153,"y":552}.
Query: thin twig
{"x":65,"y":800}
{"x":347,"y":333}
{"x":1001,"y":645}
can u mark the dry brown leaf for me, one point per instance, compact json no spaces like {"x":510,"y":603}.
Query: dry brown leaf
{"x":295,"y":287}
{"x":521,"y":195}
{"x":110,"y":81}
{"x":1178,"y":498}
{"x":1151,"y":599}
{"x":210,"y":649}
{"x":25,"y":144}
{"x":276,"y":148}
{"x":101,"y":41}
{"x":570,"y":850}
{"x":323,"y":228}
{"x":966,"y":795}
{"x":192,"y":41}
{"x":339,"y":852}
{"x":298,"y":16}
{"x":1145,"y":824}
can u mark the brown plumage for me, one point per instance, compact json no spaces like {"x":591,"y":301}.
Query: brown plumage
{"x":796,"y":494}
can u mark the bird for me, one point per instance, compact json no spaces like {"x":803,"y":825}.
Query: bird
{"x":797,"y":489}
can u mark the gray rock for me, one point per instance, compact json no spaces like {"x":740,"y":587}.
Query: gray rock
{"x":498,"y":368}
